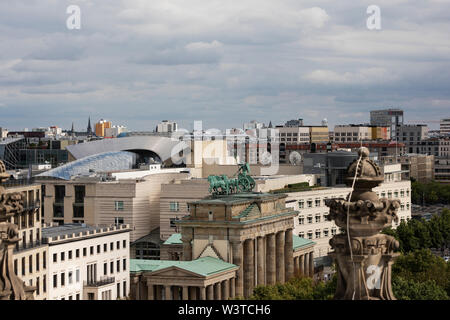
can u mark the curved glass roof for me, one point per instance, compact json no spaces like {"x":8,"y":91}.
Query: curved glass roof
{"x":102,"y":162}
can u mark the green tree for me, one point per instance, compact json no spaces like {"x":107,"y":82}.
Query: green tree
{"x":422,"y":266}
{"x":413,"y":290}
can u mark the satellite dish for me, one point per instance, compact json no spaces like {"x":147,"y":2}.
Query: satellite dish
{"x":295,"y":158}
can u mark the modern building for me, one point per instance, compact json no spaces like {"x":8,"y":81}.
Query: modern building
{"x":360,"y":132}
{"x":167,"y":126}
{"x":444,"y":127}
{"x":114,"y":131}
{"x":420,"y":167}
{"x":412,"y":136}
{"x":101,"y":126}
{"x":88,"y":263}
{"x":444,"y":147}
{"x":387,"y":118}
{"x":442,"y":170}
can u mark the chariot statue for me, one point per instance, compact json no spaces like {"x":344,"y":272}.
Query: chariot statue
{"x":240,"y":182}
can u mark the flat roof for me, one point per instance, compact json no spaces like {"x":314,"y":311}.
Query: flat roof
{"x":204,"y":266}
{"x":66,"y":229}
{"x":236,"y":198}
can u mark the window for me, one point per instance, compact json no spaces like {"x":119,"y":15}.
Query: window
{"x":37,"y":262}
{"x":318,"y":233}
{"x":174,"y":206}
{"x":55,"y":257}
{"x":118,"y":290}
{"x":70,"y":254}
{"x":118,"y":245}
{"x":105,"y":269}
{"x":15,"y":266}
{"x":44,"y":283}
{"x":301,"y":234}
{"x":124,"y":288}
{"x":333,"y":231}
{"x":111,"y":267}
{"x":55,"y":281}
{"x":118,"y":205}
{"x":325,"y":232}
{"x":63,"y":279}
{"x":301,"y":220}
{"x":310,"y":219}
{"x":91,"y":296}
{"x":77,"y":253}
{"x":44,"y":260}
{"x":124,"y":266}
{"x":118,"y":220}
{"x":301,"y":204}
{"x":118,"y":265}
{"x":310,"y":234}
{"x":309,"y":203}
{"x":23,"y":266}
{"x":124,"y":244}
{"x":111,"y":246}
{"x":70,"y":277}
{"x":62,"y":256}
{"x":318,"y":218}
{"x":77,"y":275}
{"x":98,"y":249}
{"x":317,"y":202}
{"x":91,"y":250}
{"x":105,"y":247}
{"x":84,"y":252}
{"x":37,"y":286}
{"x":77,"y":296}
{"x":30,"y":264}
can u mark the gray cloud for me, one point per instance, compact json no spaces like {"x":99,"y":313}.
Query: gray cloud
{"x":137,"y":62}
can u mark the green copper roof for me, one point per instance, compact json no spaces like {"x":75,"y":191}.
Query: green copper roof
{"x":204,"y":266}
{"x":174,"y":239}
{"x":301,"y":242}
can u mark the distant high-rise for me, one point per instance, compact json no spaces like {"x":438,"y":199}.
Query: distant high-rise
{"x":445,"y":127}
{"x":387,"y":118}
{"x":101,"y":126}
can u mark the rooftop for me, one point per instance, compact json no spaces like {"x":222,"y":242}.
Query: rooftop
{"x":174,"y":239}
{"x":236,"y":198}
{"x":76,"y":231}
{"x":204,"y":266}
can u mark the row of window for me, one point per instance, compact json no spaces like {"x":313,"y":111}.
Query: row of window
{"x":29,"y":270}
{"x":70,"y":278}
{"x":92,"y":251}
{"x":309,"y":219}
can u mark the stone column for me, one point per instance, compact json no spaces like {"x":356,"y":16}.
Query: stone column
{"x":271,"y":259}
{"x":192,"y":293}
{"x":226,"y":289}
{"x":202,"y":293}
{"x":301,"y":265}
{"x":232,"y":288}
{"x":210,"y":292}
{"x":185,"y":293}
{"x":311,"y":264}
{"x":280,"y":257}
{"x":260,"y":260}
{"x":306,"y":266}
{"x":217,"y":291}
{"x":289,"y":254}
{"x":249,"y":267}
{"x":167,"y":292}
{"x":237,"y":260}
{"x":150,"y":294}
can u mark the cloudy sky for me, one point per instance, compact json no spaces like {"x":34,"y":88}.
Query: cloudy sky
{"x":224,"y":62}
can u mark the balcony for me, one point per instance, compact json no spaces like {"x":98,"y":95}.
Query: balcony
{"x":98,"y":283}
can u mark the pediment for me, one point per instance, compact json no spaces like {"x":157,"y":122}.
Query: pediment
{"x":175,"y":272}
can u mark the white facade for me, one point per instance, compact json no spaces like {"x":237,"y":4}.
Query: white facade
{"x":167,"y":126}
{"x":114,"y":131}
{"x":311,"y":222}
{"x":92,"y":266}
{"x":444,"y":126}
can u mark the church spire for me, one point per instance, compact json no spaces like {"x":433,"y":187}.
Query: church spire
{"x":89,"y":128}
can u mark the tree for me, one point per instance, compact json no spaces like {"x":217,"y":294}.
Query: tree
{"x":298,"y":288}
{"x":422,"y":266}
{"x":414,"y":290}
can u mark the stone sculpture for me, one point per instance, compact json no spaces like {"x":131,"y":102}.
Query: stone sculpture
{"x":363,"y":255}
{"x":222,"y":185}
{"x":11,"y":287}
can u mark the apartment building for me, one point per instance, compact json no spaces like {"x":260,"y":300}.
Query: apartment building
{"x":87,"y":262}
{"x":30,"y":254}
{"x":127,"y":197}
{"x":417,"y":166}
{"x":360,"y":132}
{"x":311,"y":222}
